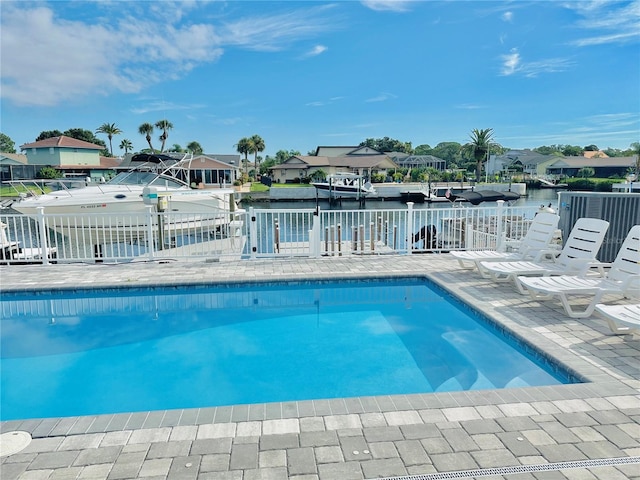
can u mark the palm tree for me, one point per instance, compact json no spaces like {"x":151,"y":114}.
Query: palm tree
{"x":479,"y":147}
{"x":176,"y":148}
{"x":258,"y":146}
{"x":146,"y":129}
{"x":165,"y":126}
{"x":109,"y":129}
{"x":126,"y":145}
{"x":195,"y":148}
{"x":243,"y":147}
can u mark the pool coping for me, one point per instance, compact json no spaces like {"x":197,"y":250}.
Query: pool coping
{"x":600,"y":381}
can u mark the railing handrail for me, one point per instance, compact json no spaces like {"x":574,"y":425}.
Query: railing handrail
{"x":256,"y":233}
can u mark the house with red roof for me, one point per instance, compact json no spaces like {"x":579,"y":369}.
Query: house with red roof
{"x":71,"y":156}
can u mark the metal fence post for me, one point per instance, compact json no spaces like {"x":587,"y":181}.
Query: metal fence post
{"x":150,"y":242}
{"x":44,"y":241}
{"x":499,"y":226}
{"x":408,"y":242}
{"x":314,"y":234}
{"x":253,"y":234}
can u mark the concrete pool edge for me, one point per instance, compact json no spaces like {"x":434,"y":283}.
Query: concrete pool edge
{"x":601,"y":382}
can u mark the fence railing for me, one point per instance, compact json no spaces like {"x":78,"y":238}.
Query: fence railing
{"x":256,"y":233}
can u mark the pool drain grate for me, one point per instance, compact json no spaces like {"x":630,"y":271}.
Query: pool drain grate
{"x":487,"y":472}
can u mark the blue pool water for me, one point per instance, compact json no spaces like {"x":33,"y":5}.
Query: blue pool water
{"x":124,"y":350}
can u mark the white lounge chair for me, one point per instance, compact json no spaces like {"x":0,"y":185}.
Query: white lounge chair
{"x":577,"y":256}
{"x":622,"y":319}
{"x":622,"y":279}
{"x":534,"y":245}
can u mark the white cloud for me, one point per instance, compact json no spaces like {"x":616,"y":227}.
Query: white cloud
{"x":388,"y":5}
{"x":507,"y":16}
{"x":382,"y":97}
{"x":510,"y":62}
{"x":469,"y":106}
{"x":48,"y":60}
{"x":161,"y":106}
{"x":316,"y":50}
{"x":607,"y":22}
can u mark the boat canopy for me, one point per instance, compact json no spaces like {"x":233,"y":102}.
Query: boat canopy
{"x":479,"y":196}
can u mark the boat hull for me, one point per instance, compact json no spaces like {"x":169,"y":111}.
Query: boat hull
{"x":334,"y":191}
{"x":121,"y":214}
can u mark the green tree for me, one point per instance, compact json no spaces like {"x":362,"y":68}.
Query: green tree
{"x":109,"y":129}
{"x":586,"y":172}
{"x":572,"y":151}
{"x":48,"y":134}
{"x":195,"y":148}
{"x":257,"y":145}
{"x":479,"y":147}
{"x":176,"y":148}
{"x":84,"y":135}
{"x":126,"y":145}
{"x":146,"y":129}
{"x":165,"y":126}
{"x":423,"y":150}
{"x":243,"y":147}
{"x":283,"y":155}
{"x":318,"y":175}
{"x":49,"y":173}
{"x":6,"y":144}
{"x":450,"y":152}
{"x":387,"y":144}
{"x":591,"y":148}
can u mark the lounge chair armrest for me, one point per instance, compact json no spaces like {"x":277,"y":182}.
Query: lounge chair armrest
{"x":549,"y":253}
{"x":600,"y":266}
{"x":583,"y":267}
{"x":631,"y":284}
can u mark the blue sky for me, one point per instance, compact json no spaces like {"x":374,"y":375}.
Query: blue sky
{"x":304,"y":73}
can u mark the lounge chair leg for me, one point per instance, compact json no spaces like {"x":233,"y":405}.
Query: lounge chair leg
{"x":617,"y":330}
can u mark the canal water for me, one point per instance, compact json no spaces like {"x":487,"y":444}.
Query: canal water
{"x":534,"y":198}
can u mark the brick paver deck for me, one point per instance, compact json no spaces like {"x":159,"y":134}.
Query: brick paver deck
{"x":580,"y":431}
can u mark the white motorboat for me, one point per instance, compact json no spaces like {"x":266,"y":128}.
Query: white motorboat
{"x":153,"y":184}
{"x":341,"y":185}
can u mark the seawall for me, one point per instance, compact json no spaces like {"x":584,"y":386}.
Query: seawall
{"x":386,"y":191}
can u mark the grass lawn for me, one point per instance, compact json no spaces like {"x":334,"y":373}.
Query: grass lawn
{"x":259,"y":187}
{"x":6,"y":191}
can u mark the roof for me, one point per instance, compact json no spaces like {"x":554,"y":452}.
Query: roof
{"x":334,"y":150}
{"x":303,"y":161}
{"x":215,"y":161}
{"x":13,"y":158}
{"x":110,"y":162}
{"x":591,"y":154}
{"x":232,"y":160}
{"x":581,"y":162}
{"x":62,"y":142}
{"x":346,"y":161}
{"x":525,"y":157}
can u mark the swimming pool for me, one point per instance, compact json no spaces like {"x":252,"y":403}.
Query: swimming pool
{"x":68,"y":353}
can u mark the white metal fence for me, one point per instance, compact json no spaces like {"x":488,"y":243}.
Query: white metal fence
{"x":256,"y":233}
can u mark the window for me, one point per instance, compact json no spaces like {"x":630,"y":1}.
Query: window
{"x":51,"y":150}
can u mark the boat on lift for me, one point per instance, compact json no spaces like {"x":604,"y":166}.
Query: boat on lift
{"x":340,"y":185}
{"x":156,"y":184}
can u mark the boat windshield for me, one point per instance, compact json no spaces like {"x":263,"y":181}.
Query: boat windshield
{"x":145,"y":178}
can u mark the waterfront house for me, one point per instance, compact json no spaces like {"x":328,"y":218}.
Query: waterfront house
{"x":215,"y":170}
{"x":360,"y":160}
{"x":13,"y":166}
{"x":70,"y":156}
{"x":603,"y":167}
{"x":531,"y":162}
